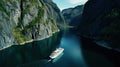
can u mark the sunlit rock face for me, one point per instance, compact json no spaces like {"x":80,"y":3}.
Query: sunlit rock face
{"x":72,"y":15}
{"x":27,"y":20}
{"x":100,"y":21}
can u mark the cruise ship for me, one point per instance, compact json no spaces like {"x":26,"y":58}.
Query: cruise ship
{"x":56,"y":53}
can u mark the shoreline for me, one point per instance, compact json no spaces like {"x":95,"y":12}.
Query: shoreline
{"x":32,"y":40}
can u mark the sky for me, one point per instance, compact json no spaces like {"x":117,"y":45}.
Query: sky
{"x":63,"y":4}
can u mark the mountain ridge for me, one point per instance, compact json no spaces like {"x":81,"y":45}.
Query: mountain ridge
{"x":27,"y":20}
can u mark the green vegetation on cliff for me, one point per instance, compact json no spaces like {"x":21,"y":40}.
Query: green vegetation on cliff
{"x":20,"y":30}
{"x":111,"y":32}
{"x":19,"y":36}
{"x":36,"y":20}
{"x":24,"y":21}
{"x":33,"y":3}
{"x":3,"y":9}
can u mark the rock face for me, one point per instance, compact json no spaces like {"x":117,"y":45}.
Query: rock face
{"x":27,"y":20}
{"x":72,"y":15}
{"x":100,"y":21}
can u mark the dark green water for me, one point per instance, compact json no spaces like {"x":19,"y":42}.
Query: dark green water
{"x":36,"y":54}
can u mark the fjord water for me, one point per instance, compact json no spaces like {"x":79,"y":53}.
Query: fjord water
{"x":36,"y":54}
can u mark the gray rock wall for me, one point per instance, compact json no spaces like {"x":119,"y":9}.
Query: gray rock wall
{"x":24,"y":21}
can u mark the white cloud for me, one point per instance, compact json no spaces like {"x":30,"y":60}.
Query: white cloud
{"x":77,"y":1}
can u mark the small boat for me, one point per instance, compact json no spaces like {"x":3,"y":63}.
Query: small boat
{"x":56,"y":53}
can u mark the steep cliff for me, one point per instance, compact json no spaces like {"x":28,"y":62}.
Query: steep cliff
{"x":72,"y":15}
{"x":100,"y":21}
{"x":24,"y":21}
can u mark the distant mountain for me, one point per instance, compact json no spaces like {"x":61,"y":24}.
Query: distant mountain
{"x":24,"y":21}
{"x":101,"y":21}
{"x":72,"y":15}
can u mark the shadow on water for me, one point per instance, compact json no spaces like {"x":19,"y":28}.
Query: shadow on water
{"x":35,"y":53}
{"x":98,"y":56}
{"x":78,"y":52}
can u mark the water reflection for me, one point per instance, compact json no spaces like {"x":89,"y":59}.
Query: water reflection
{"x":29,"y":54}
{"x":73,"y":56}
{"x":77,"y":53}
{"x":72,"y":46}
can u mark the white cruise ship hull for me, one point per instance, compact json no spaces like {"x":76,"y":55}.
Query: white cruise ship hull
{"x":56,"y":53}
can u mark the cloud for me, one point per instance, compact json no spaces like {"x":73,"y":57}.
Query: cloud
{"x":77,"y":1}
